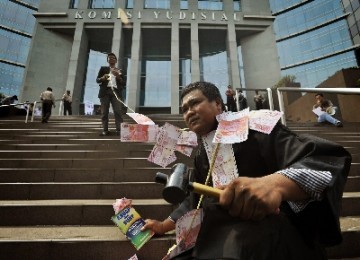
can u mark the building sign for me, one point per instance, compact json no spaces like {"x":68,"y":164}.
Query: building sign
{"x":169,"y":15}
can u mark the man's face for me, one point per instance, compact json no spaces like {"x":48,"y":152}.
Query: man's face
{"x":318,"y":98}
{"x":112,"y":60}
{"x":199,"y":113}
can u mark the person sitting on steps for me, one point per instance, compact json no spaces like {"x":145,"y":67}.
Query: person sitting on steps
{"x":325,"y":110}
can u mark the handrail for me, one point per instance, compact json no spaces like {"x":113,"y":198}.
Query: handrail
{"x":311,"y":90}
{"x":20,"y":104}
{"x":268,"y":90}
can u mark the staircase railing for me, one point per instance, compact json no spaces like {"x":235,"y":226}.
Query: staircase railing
{"x":310,"y":90}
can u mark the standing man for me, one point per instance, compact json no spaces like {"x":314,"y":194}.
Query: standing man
{"x":48,"y":100}
{"x":259,"y":100}
{"x":67,"y":99}
{"x":230,"y":101}
{"x":111,"y":82}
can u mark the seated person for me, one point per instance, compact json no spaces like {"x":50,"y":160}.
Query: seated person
{"x":325,"y":110}
{"x":283,"y":202}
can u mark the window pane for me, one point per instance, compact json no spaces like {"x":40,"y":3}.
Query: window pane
{"x":102,"y":4}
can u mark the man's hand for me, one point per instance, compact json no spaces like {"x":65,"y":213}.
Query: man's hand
{"x":159,"y":227}
{"x":255,"y":198}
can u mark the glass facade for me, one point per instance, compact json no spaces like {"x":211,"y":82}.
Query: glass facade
{"x":95,"y":61}
{"x":94,"y":4}
{"x":130,"y":4}
{"x":237,"y":5}
{"x":15,"y":37}
{"x":155,"y":83}
{"x":213,"y":58}
{"x":157,"y":4}
{"x":210,"y":5}
{"x":184,"y":5}
{"x":313,"y":39}
{"x":353,"y":8}
{"x":74,"y":4}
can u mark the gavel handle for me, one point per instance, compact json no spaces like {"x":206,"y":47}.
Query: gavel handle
{"x":204,"y":189}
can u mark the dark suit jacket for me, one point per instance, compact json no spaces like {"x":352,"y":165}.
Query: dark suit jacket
{"x":120,"y":83}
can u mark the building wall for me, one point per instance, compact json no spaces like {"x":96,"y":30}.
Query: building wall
{"x":71,"y":32}
{"x":48,"y":64}
{"x":313,"y":39}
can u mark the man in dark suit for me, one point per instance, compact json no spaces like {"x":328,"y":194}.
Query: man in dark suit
{"x":111,"y":81}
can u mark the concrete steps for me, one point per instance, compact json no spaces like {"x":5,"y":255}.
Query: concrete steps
{"x":58,"y":182}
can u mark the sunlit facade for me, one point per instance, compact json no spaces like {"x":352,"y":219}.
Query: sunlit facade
{"x":16,"y":29}
{"x":162,"y":46}
{"x":313,"y":39}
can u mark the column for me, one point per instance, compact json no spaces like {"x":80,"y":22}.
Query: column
{"x":175,"y":60}
{"x":77,"y":65}
{"x":134,"y":73}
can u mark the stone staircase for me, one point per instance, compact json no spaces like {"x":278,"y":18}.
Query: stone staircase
{"x":58,"y":182}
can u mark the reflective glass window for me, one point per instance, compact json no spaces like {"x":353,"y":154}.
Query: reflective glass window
{"x":157,"y":4}
{"x":74,"y":4}
{"x":11,"y":79}
{"x":312,"y":74}
{"x":184,"y":5}
{"x":210,"y":5}
{"x":17,"y":17}
{"x":155,"y":81}
{"x":185,"y":72}
{"x":213,"y":58}
{"x":306,"y":17}
{"x":237,"y":5}
{"x":314,"y":44}
{"x":102,"y":4}
{"x":279,"y":5}
{"x":14,"y":47}
{"x":95,"y":61}
{"x":130,"y":4}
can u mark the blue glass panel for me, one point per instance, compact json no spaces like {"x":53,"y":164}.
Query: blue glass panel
{"x":306,"y":17}
{"x":130,"y":4}
{"x":314,"y":44}
{"x":17,"y":17}
{"x":102,"y":4}
{"x":184,"y":5}
{"x":214,"y":68}
{"x":312,"y":74}
{"x":74,"y":4}
{"x":210,"y":5}
{"x":279,"y":5}
{"x":155,"y":86}
{"x":11,"y":78}
{"x":237,"y":5}
{"x":157,"y":4}
{"x":14,"y":47}
{"x":185,"y":72}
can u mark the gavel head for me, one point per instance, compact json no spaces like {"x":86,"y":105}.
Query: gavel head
{"x":175,"y":189}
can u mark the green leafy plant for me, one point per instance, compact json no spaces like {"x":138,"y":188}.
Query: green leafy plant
{"x":288,"y":79}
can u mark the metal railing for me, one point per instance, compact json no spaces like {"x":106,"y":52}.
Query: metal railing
{"x":28,"y":104}
{"x":310,"y":90}
{"x":269,"y":96}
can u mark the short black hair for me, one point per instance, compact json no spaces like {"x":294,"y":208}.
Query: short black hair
{"x":319,"y":94}
{"x":50,"y":89}
{"x":209,"y":90}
